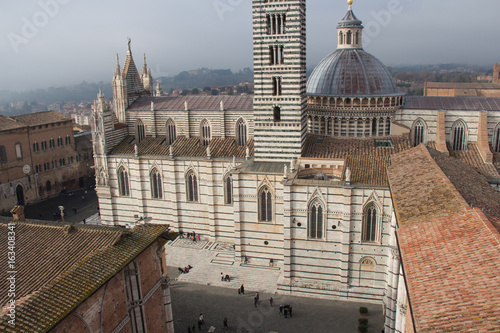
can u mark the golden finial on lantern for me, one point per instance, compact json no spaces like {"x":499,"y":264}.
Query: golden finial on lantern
{"x":349,"y":2}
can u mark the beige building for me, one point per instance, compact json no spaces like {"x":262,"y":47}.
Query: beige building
{"x":295,"y":175}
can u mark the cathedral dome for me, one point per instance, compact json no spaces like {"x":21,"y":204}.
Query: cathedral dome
{"x":351,"y":72}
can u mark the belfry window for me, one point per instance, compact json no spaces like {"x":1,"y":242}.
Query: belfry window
{"x":241,"y":133}
{"x":171,"y":134}
{"x":369,"y":232}
{"x":140,"y":131}
{"x":156,"y":188}
{"x":276,"y":24}
{"x":205,"y":133}
{"x":276,"y":86}
{"x":191,"y":186}
{"x":123,"y":182}
{"x":315,"y":220}
{"x":276,"y":55}
{"x":265,"y":205}
{"x":277,"y":114}
{"x":458,"y":133}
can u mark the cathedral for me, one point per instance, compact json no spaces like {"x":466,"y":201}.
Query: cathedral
{"x":295,"y":175}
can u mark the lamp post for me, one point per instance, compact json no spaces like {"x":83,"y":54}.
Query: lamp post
{"x":61,"y":208}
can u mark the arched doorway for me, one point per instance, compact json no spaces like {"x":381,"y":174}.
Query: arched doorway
{"x":20,"y":195}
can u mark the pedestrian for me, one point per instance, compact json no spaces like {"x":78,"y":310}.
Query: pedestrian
{"x":257,"y":296}
{"x":199,"y":324}
{"x":285,"y":312}
{"x":239,"y":291}
{"x":189,"y":329}
{"x":271,"y":301}
{"x":281,"y":309}
{"x":200,"y":318}
{"x":225,"y":323}
{"x":227,"y":278}
{"x":198,"y":237}
{"x":193,"y":328}
{"x":221,"y":276}
{"x":74,"y":210}
{"x":242,"y":289}
{"x":290,"y":311}
{"x":255,"y":301}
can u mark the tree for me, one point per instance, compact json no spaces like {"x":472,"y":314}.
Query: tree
{"x":214,"y":92}
{"x":207,"y":89}
{"x":184,"y":92}
{"x":195,"y":91}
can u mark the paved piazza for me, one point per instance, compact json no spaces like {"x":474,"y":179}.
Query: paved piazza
{"x":202,"y":291}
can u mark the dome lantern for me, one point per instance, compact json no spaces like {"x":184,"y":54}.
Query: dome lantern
{"x":350,"y":31}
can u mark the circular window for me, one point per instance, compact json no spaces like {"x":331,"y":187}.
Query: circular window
{"x":266,"y":242}
{"x":299,"y":224}
{"x":334,"y":227}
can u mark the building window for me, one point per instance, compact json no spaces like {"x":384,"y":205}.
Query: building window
{"x":276,"y":24}
{"x":171,"y":132}
{"x":136,"y":312}
{"x":191,"y":186}
{"x":370,"y":227}
{"x":44,"y":145}
{"x":418,"y":132}
{"x":156,"y":188}
{"x":341,"y":38}
{"x":496,"y":140}
{"x":228,"y":189}
{"x":68,"y":140}
{"x":349,"y":37}
{"x":277,"y":114}
{"x":276,"y":86}
{"x":36,"y":148}
{"x":458,"y":133}
{"x":59,"y":142}
{"x":315,"y":220}
{"x":19,"y":150}
{"x":52,"y":143}
{"x":3,"y":154}
{"x":140,"y":131}
{"x":265,"y":205}
{"x":241,"y":132}
{"x":205,"y":132}
{"x":276,"y":55}
{"x":123,"y":182}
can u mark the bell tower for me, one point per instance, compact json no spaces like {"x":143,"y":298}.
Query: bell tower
{"x":279,"y":50}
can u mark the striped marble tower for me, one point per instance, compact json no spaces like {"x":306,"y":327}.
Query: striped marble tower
{"x":279,"y":44}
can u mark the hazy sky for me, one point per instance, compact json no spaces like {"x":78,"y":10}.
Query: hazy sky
{"x":56,"y":42}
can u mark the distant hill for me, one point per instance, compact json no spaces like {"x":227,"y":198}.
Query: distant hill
{"x":205,"y":77}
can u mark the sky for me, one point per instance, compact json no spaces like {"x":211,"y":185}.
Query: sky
{"x":47,"y":43}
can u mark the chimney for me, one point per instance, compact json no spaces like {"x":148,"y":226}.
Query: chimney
{"x":441,"y":132}
{"x":482,"y":138}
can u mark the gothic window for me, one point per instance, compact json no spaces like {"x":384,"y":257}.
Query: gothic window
{"x":191,"y":186}
{"x":59,"y":142}
{"x":36,"y":148}
{"x":156,"y":188}
{"x":140,"y":131}
{"x":276,"y":55}
{"x":370,"y":225}
{"x":496,"y":140}
{"x":171,"y":132}
{"x":418,"y":132}
{"x":277,"y":114}
{"x":458,"y":139}
{"x":228,"y":189}
{"x":315,"y":220}
{"x":123,"y":182}
{"x":44,"y":145}
{"x":136,"y":312}
{"x":265,"y":205}
{"x":205,"y":133}
{"x":3,"y":154}
{"x":68,"y":140}
{"x":276,"y":86}
{"x":19,"y":150}
{"x":241,"y":132}
{"x":52,"y":143}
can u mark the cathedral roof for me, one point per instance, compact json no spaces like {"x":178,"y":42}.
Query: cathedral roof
{"x":194,"y":103}
{"x":449,"y":250}
{"x":453,"y":103}
{"x":351,"y":72}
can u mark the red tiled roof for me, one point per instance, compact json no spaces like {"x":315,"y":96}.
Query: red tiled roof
{"x":41,"y":118}
{"x":453,"y":103}
{"x":450,"y":252}
{"x":185,"y":147}
{"x":7,"y":123}
{"x":195,"y":103}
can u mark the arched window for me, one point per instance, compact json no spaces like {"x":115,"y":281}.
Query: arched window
{"x":52,"y":143}
{"x":36,"y":148}
{"x":3,"y":154}
{"x":277,"y":114}
{"x":191,"y":186}
{"x":458,"y":136}
{"x":44,"y":144}
{"x":171,"y":133}
{"x":156,"y":188}
{"x":265,"y":205}
{"x":59,"y":142}
{"x":315,"y":220}
{"x":140,"y":131}
{"x":341,"y":38}
{"x":496,"y":140}
{"x":418,"y":132}
{"x":357,"y":37}
{"x":228,"y":189}
{"x":123,"y":182}
{"x":370,"y":227}
{"x":241,"y":132}
{"x":206,"y":133}
{"x":349,"y":37}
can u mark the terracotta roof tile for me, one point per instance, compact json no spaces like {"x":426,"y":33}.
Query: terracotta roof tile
{"x":184,"y":147}
{"x":450,"y":252}
{"x":41,"y":118}
{"x":83,"y":260}
{"x":453,"y":103}
{"x":7,"y":123}
{"x":472,"y":157}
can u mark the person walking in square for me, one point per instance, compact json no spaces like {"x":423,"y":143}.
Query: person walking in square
{"x":225,"y":323}
{"x":290,"y":311}
{"x":281,"y":309}
{"x":271,"y":301}
{"x":242,"y":288}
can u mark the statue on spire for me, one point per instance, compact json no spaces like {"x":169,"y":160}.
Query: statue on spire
{"x":129,"y":50}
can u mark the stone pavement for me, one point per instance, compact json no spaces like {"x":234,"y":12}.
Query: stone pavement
{"x":210,"y":259}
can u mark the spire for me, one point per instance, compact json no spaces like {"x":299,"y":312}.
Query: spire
{"x":118,"y":70}
{"x":350,"y":30}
